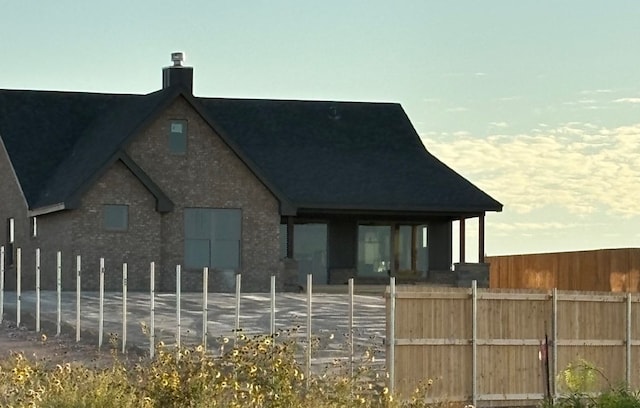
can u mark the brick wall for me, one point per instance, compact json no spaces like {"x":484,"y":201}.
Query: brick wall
{"x":209,"y":175}
{"x":12,"y":205}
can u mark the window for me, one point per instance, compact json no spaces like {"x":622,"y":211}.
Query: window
{"x":178,"y":137}
{"x":212,"y":238}
{"x":115,"y":217}
{"x":374,"y":250}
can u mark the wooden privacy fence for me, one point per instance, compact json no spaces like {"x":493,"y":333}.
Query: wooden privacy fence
{"x":615,"y":270}
{"x":487,"y":346}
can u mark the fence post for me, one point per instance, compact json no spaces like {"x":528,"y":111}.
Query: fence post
{"x":101,"y":307}
{"x":474,"y":343}
{"x":18,"y":285}
{"x":205,"y":290}
{"x":59,"y":292}
{"x":273,"y":308}
{"x":37,"y":290}
{"x":78,"y":288}
{"x":125,"y":273}
{"x":351,"y":328}
{"x":391,"y":336}
{"x":628,"y":342}
{"x":1,"y":284}
{"x":238,"y":285}
{"x":152,"y":309}
{"x":554,"y":329}
{"x":178,"y":317}
{"x":309,"y":308}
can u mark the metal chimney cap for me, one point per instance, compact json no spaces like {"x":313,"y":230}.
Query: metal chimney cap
{"x":177,"y":58}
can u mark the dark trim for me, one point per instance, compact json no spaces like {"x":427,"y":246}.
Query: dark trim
{"x":163,"y":203}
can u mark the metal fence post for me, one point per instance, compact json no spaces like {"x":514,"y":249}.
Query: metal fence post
{"x":178,"y":317}
{"x":391,"y":338}
{"x":351,"y":328}
{"x":37,"y":290}
{"x":101,"y":307}
{"x":474,"y":343}
{"x":628,"y":342}
{"x":309,"y":309}
{"x":554,"y":308}
{"x":59,"y":293}
{"x":18,"y":285}
{"x":272,"y":326}
{"x":152,"y":309}
{"x":205,"y":318}
{"x":78,"y":288}
{"x":125,"y":277}
{"x":238,"y":285}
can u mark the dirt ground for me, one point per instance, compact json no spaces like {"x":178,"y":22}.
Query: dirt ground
{"x":48,"y":348}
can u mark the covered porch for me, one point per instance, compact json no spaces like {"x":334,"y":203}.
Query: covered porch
{"x":414,"y":248}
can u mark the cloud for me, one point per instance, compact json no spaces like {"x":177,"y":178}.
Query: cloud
{"x":595,"y":91}
{"x":627,"y":100}
{"x":499,"y":124}
{"x":579,"y":167}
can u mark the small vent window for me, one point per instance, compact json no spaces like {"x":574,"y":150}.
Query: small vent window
{"x":115,"y":217}
{"x":178,"y":137}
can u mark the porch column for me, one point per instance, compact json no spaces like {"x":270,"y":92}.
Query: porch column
{"x":481,"y":238}
{"x":462,"y":240}
{"x":290,"y":237}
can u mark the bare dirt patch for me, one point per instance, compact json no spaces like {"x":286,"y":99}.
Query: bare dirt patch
{"x":46,"y":347}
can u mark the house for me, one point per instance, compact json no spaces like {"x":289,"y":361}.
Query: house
{"x":261,"y":187}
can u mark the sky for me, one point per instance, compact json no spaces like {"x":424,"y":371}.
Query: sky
{"x":535,"y":102}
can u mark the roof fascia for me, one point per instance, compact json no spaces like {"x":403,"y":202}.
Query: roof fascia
{"x":13,"y":171}
{"x":286,"y":206}
{"x":47,"y":209}
{"x":163,"y":203}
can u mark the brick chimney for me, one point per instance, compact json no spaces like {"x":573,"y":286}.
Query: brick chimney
{"x":177,"y":74}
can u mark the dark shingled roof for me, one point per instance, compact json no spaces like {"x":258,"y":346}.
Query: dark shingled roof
{"x":314,"y":155}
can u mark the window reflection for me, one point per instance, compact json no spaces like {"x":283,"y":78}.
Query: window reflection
{"x":374,"y":245}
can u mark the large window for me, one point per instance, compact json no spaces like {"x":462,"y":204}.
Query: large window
{"x":398,"y":249}
{"x":212,"y":238}
{"x":374,"y":250}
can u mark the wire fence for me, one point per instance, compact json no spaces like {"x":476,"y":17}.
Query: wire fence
{"x":328,"y":328}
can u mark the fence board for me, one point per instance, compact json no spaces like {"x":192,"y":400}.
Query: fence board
{"x":616,"y":270}
{"x":433,"y":340}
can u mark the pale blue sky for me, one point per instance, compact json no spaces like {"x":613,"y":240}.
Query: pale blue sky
{"x":537,"y":103}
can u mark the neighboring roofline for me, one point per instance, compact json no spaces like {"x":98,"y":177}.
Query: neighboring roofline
{"x":286,"y":206}
{"x":13,"y":172}
{"x":47,"y":209}
{"x":163,"y":203}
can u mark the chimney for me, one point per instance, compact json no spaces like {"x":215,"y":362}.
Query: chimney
{"x":177,"y":74}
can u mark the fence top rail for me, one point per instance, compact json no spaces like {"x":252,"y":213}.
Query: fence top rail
{"x":438,"y":292}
